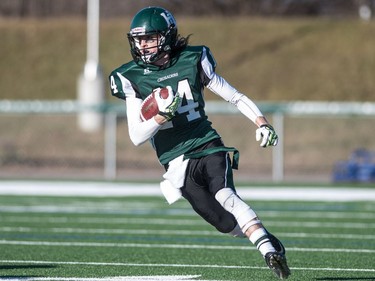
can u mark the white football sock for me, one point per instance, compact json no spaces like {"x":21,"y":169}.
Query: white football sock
{"x":260,"y":239}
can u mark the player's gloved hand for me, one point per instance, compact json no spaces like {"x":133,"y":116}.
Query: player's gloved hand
{"x":169,"y":105}
{"x":267,"y":135}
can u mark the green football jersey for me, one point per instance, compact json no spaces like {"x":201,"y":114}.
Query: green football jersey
{"x":190,"y":127}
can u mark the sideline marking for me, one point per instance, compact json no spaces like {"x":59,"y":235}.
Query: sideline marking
{"x":101,"y":189}
{"x":172,"y":246}
{"x":184,"y":265}
{"x":89,"y":210}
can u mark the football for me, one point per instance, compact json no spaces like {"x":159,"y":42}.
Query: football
{"x":149,"y":107}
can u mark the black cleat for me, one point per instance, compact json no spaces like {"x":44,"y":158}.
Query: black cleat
{"x":277,"y":263}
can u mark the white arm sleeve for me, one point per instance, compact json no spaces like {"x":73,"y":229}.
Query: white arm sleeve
{"x":139,"y":132}
{"x":222,"y":88}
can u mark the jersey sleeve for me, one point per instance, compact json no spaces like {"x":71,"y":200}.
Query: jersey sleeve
{"x":207,"y":65}
{"x":218,"y":85}
{"x":120,"y":86}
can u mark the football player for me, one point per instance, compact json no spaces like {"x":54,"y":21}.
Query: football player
{"x":198,"y":164}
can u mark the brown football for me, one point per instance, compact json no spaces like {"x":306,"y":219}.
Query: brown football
{"x":149,"y":107}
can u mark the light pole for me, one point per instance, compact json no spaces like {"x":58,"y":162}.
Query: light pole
{"x":90,"y":81}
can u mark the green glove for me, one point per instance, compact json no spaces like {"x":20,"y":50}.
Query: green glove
{"x":168,"y":106}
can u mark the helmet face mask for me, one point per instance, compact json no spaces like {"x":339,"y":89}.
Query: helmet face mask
{"x":150,"y":53}
{"x":147,"y":23}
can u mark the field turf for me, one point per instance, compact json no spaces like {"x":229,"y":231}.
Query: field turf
{"x":142,"y":238}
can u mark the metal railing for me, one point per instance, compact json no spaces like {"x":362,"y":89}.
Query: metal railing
{"x":111,"y":112}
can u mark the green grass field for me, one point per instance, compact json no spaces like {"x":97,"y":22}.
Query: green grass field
{"x":120,"y":238}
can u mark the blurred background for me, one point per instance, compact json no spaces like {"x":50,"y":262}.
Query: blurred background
{"x":309,"y":65}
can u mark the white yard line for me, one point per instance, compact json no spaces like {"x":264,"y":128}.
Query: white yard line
{"x":101,"y":189}
{"x":173,"y":232}
{"x":172,"y":246}
{"x":182,"y":221}
{"x":114,"y":278}
{"x":183,"y":265}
